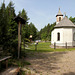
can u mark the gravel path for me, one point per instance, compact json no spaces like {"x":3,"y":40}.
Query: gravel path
{"x":52,"y":63}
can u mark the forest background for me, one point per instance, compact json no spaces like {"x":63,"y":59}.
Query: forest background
{"x":9,"y":28}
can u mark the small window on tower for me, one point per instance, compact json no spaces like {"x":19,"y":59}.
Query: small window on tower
{"x":59,"y":18}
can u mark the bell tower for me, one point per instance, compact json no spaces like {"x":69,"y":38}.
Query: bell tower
{"x":59,"y":16}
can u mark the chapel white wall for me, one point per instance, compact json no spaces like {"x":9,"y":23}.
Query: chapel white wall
{"x":66,"y":35}
{"x":54,"y":35}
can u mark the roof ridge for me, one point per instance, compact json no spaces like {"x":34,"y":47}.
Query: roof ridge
{"x":69,"y":20}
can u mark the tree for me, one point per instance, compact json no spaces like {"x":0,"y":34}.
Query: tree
{"x":8,"y":28}
{"x":45,"y":33}
{"x":3,"y":25}
{"x":25,"y":31}
{"x":23,"y":14}
{"x":72,"y":19}
{"x":33,"y":31}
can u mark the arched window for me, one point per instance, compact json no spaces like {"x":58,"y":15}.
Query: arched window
{"x":58,"y":36}
{"x":74,"y":37}
{"x":59,"y":18}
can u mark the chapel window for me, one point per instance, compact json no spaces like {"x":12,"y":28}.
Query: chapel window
{"x":58,"y":36}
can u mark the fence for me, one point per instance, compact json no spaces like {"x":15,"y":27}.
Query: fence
{"x":64,"y":45}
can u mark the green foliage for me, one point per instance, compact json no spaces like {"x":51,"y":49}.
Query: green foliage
{"x":45,"y":33}
{"x":33,"y":31}
{"x":9,"y":29}
{"x":72,"y":19}
{"x":27,"y":29}
{"x":23,"y":14}
{"x":3,"y":26}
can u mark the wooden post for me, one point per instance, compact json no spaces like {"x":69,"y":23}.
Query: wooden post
{"x":35,"y":46}
{"x":54,"y":45}
{"x":19,"y":39}
{"x":66,"y":45}
{"x":19,"y":21}
{"x":6,"y":64}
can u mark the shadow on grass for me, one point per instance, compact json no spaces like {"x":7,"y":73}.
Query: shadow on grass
{"x":44,"y":61}
{"x":70,"y":73}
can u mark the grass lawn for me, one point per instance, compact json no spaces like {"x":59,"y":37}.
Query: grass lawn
{"x":45,"y":47}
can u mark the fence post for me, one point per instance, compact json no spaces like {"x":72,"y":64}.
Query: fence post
{"x":6,"y":64}
{"x":66,"y":45}
{"x":35,"y":46}
{"x":54,"y":45}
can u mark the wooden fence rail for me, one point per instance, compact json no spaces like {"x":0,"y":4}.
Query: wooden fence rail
{"x":5,"y":59}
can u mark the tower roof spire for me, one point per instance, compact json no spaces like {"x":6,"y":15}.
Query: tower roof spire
{"x":59,"y":13}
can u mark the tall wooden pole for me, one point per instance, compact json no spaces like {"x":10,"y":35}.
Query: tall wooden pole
{"x":20,"y":21}
{"x":19,"y":39}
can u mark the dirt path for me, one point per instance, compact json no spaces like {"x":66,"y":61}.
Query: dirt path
{"x":52,"y":63}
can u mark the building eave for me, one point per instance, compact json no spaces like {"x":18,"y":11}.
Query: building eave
{"x":64,"y":27}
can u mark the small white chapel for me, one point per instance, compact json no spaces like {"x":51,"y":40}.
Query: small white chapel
{"x":64,"y":31}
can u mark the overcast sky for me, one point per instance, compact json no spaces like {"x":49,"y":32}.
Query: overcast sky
{"x":42,"y":12}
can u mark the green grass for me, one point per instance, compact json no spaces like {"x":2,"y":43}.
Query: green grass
{"x":45,"y":47}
